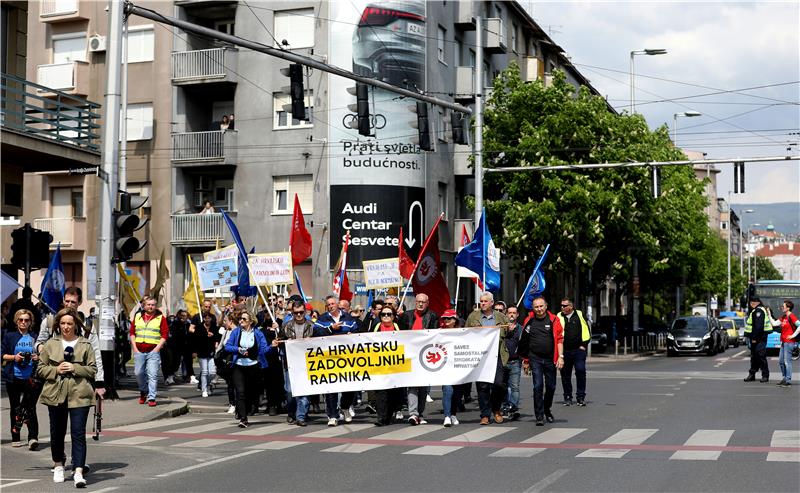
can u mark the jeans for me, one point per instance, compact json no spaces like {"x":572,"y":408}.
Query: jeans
{"x":544,"y":385}
{"x":575,"y":358}
{"x":332,"y":403}
{"x":208,"y":370}
{"x":451,"y":395}
{"x":77,"y":432}
{"x":297,"y":406}
{"x":758,"y":358}
{"x":145,"y":366}
{"x":22,"y":392}
{"x":511,"y":375}
{"x":785,"y":360}
{"x":416,"y":400}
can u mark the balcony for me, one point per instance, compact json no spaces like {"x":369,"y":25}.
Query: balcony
{"x":215,"y":65}
{"x":69,"y":77}
{"x":61,"y":10}
{"x":532,"y":69}
{"x":197,"y":229}
{"x":465,"y":84}
{"x":494,"y":36}
{"x":70,"y":232}
{"x":465,"y":16}
{"x":461,"y":160}
{"x":204,"y":148}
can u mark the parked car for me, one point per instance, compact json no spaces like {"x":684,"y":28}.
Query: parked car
{"x":599,"y":343}
{"x":722,"y":339}
{"x":729,"y":326}
{"x":693,"y":335}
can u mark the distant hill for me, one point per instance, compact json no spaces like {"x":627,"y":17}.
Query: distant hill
{"x":785,"y":216}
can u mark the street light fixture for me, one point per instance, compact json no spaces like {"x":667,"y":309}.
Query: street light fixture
{"x":685,"y":114}
{"x":646,"y":51}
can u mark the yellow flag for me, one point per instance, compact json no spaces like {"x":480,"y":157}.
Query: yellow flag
{"x":129,"y":290}
{"x":161,"y":277}
{"x":193,"y":296}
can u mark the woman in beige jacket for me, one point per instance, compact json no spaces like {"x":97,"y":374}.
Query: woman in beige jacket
{"x":68,"y":368}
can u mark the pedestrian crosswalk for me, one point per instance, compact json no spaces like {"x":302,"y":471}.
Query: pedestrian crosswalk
{"x":517,"y":441}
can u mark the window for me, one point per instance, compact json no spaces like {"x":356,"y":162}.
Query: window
{"x":514,"y":37}
{"x":441,"y":125}
{"x":66,"y":202}
{"x":442,"y":197}
{"x":459,"y":55}
{"x":285,"y":189}
{"x":440,"y":36}
{"x":69,"y":47}
{"x":296,"y":27}
{"x":76,"y":200}
{"x":487,"y":75}
{"x":284,"y":119}
{"x":226,"y":26}
{"x":140,"y":122}
{"x":141,"y":44}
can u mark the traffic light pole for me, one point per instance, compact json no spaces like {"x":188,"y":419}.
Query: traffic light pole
{"x":478,"y":149}
{"x":106,"y":302}
{"x":28,"y":237}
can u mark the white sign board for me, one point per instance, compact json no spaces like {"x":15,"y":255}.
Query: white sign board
{"x":270,"y":269}
{"x":215,"y":274}
{"x":382,"y":273}
{"x":229,"y":251}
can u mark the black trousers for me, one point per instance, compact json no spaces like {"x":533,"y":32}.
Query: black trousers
{"x":758,"y":358}
{"x":544,"y":384}
{"x":387,"y":403}
{"x":246,"y":381}
{"x":77,"y":432}
{"x":22,"y":395}
{"x":273,"y":384}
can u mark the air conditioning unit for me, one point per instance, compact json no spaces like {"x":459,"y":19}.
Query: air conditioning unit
{"x":97,"y":43}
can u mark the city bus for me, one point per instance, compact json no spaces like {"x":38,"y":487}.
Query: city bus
{"x":772,"y":294}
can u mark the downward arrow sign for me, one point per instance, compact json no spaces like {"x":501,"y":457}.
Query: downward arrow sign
{"x":410,"y":241}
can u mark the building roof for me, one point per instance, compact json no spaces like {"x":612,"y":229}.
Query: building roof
{"x":791,"y":248}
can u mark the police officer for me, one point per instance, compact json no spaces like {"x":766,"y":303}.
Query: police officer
{"x":576,"y":341}
{"x":757,"y":328}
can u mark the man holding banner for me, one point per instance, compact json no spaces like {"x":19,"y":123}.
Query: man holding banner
{"x":336,"y":322}
{"x":491,"y":395}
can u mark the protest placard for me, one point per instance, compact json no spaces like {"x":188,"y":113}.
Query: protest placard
{"x":215,"y":274}
{"x":229,"y":251}
{"x":270,"y":269}
{"x":382,"y":273}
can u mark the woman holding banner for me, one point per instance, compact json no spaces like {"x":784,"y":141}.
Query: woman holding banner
{"x":387,"y":401}
{"x":249,"y":348}
{"x":451,"y":394}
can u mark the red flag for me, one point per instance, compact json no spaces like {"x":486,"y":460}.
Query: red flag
{"x":428,"y":276}
{"x":464,"y":242}
{"x":341,"y":287}
{"x":406,"y":264}
{"x":300,"y":238}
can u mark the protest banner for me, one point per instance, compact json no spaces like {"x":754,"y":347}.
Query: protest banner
{"x":215,"y":274}
{"x":229,"y":251}
{"x":384,"y":360}
{"x":270,"y":269}
{"x":382,"y":273}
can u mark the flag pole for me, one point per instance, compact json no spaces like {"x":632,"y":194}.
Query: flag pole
{"x":458,"y":285}
{"x":483,"y":245}
{"x":194,"y":284}
{"x":424,"y":247}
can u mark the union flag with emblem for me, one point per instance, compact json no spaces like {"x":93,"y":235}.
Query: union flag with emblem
{"x":428,"y":276}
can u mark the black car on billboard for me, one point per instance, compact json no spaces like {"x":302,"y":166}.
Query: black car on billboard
{"x":389,"y":43}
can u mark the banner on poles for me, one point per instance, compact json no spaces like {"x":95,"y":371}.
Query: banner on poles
{"x":215,"y":274}
{"x":384,"y":360}
{"x":382,"y":273}
{"x":270,"y":269}
{"x":229,"y":251}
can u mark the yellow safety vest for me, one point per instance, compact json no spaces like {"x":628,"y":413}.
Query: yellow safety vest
{"x":585,"y":335}
{"x":748,"y":324}
{"x":148,"y":332}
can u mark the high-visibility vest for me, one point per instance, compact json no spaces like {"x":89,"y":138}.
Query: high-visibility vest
{"x":148,"y":332}
{"x":585,"y":335}
{"x":748,"y":324}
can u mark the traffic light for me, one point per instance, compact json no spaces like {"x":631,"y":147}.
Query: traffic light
{"x":422,"y":125}
{"x":738,"y":177}
{"x":126,"y":222}
{"x":30,"y":247}
{"x":362,"y":108}
{"x":655,"y":178}
{"x":296,"y":91}
{"x":459,"y":123}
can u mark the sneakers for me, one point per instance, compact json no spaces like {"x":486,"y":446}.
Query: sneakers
{"x":152,"y":403}
{"x":539,"y":420}
{"x":484,"y":421}
{"x":581,"y":403}
{"x":231,"y":409}
{"x":422,"y":421}
{"x":332,"y":422}
{"x":33,"y":444}
{"x":290,"y":419}
{"x":782,"y":383}
{"x":399,"y":416}
{"x":786,"y":384}
{"x":764,"y":379}
{"x":568,"y":402}
{"x":77,"y":477}
{"x":205,"y":394}
{"x":243,"y":423}
{"x":170,"y":380}
{"x":454,"y":420}
{"x":142,"y":397}
{"x":549,"y":417}
{"x":58,"y":474}
{"x":349,"y":414}
{"x":428,"y":398}
{"x":448,"y":422}
{"x":413,"y":420}
{"x":16,"y":444}
{"x":498,"y":418}
{"x":750,"y":378}
{"x":194,"y":380}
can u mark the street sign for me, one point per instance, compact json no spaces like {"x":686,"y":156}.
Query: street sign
{"x":84,"y":170}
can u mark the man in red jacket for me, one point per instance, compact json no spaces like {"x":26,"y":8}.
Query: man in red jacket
{"x":542,"y":349}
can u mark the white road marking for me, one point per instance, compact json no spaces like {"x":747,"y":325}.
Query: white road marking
{"x":554,"y":435}
{"x":401,"y":434}
{"x":105,"y":490}
{"x":547,"y":481}
{"x":627,"y":436}
{"x":275,"y":445}
{"x":265,"y":430}
{"x":335,"y":431}
{"x":203,"y":443}
{"x":739,"y":353}
{"x":704,"y":437}
{"x":137,"y":440}
{"x":148,"y":425}
{"x":784,"y":438}
{"x":648,"y":393}
{"x":193,"y":430}
{"x":479,"y":435}
{"x":208,"y":463}
{"x":691,"y":359}
{"x":16,"y":482}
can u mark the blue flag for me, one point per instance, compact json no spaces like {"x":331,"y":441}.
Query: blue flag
{"x":244,"y":288}
{"x":370,"y":299}
{"x":300,"y":287}
{"x":536,"y":284}
{"x":53,"y":282}
{"x":482,"y":257}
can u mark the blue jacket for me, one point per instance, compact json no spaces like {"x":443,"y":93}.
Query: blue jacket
{"x":10,"y":341}
{"x":232,"y":346}
{"x":323,"y":325}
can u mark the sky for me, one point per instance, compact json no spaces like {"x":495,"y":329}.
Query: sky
{"x":711,"y":47}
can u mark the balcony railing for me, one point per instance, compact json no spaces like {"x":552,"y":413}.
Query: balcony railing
{"x":213,"y":146}
{"x":66,"y":118}
{"x":197,"y":228}
{"x":209,"y":65}
{"x":62,"y":229}
{"x":58,"y":7}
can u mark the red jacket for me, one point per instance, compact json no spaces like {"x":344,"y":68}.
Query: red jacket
{"x":788,"y":326}
{"x":558,"y":337}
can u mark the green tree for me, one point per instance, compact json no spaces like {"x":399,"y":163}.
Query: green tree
{"x":610,"y":212}
{"x":766,"y":269}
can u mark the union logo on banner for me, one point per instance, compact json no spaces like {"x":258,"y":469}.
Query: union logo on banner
{"x":433,"y":357}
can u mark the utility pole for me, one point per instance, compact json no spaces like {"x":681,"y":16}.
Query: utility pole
{"x":123,"y":125}
{"x":106,"y":301}
{"x":478,"y":147}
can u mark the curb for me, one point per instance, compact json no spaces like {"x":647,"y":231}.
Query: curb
{"x":205,"y":409}
{"x":183,"y":408}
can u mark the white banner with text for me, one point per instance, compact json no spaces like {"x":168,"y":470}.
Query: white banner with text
{"x":384,"y":360}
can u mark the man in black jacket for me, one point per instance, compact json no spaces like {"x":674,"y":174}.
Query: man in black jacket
{"x":577,"y":338}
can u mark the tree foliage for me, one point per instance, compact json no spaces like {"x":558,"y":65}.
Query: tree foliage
{"x":607,"y":213}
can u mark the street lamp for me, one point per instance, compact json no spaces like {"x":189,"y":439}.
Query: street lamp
{"x":685,"y":114}
{"x":646,"y":51}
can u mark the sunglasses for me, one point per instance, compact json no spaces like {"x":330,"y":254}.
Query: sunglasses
{"x":243,"y":319}
{"x":387,"y":314}
{"x":23,"y":320}
{"x":298,"y":313}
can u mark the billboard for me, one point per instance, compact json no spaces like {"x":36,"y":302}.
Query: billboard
{"x":377,"y":183}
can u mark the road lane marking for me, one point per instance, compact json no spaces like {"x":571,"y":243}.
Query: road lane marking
{"x":208,"y":463}
{"x":784,"y":438}
{"x":16,"y":482}
{"x":547,"y":481}
{"x":275,"y":445}
{"x":479,"y":435}
{"x":194,"y":430}
{"x":399,"y":435}
{"x":554,"y":435}
{"x":739,"y":353}
{"x":648,"y":393}
{"x":335,"y":431}
{"x":627,"y":436}
{"x":149,"y":425}
{"x":105,"y":490}
{"x":704,"y":437}
{"x":691,"y":359}
{"x":135,"y":440}
{"x":266,"y":430}
{"x":203,"y":443}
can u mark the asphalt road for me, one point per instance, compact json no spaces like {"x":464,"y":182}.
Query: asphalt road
{"x":652,"y":424}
